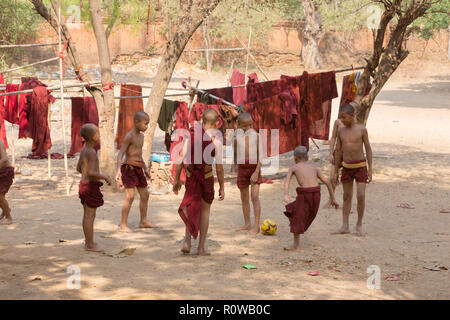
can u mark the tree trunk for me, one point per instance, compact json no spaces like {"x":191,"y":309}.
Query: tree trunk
{"x":384,"y":61}
{"x":311,"y":34}
{"x":107,"y":155}
{"x":107,"y":109}
{"x":191,"y":15}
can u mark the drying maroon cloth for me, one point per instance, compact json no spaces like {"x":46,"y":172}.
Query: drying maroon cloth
{"x":181,"y":122}
{"x":127,"y":110}
{"x":90,"y":194}
{"x":225,"y":93}
{"x":25,"y":104}
{"x":252,"y":78}
{"x":133,"y":176}
{"x":329,"y":87}
{"x":199,"y":185}
{"x":303,"y":210}
{"x":266,"y":114}
{"x":245,"y":172}
{"x":347,"y":94}
{"x":289,"y":106}
{"x":6,"y":179}
{"x":84,"y":110}
{"x":261,"y":90}
{"x":239,"y":94}
{"x":197,"y":112}
{"x":2,"y":121}
{"x":38,"y":121}
{"x":10,"y":110}
{"x":359,"y":174}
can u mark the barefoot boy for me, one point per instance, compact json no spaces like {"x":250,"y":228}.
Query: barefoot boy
{"x":89,"y":188}
{"x":249,"y":170}
{"x":133,"y":172}
{"x":352,"y":138}
{"x":196,"y":205}
{"x":6,"y":180}
{"x":303,"y":210}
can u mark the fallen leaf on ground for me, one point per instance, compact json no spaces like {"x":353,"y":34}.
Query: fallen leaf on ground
{"x":406,"y":206}
{"x":249,"y":266}
{"x":436,"y":267}
{"x":121,"y":253}
{"x":29,"y":242}
{"x":62,"y":240}
{"x":394,"y":278}
{"x":38,"y":278}
{"x":445,"y":211}
{"x":313,"y":273}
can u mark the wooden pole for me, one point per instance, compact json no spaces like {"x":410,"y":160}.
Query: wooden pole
{"x":30,"y":65}
{"x":230,"y":73}
{"x":253,"y":58}
{"x":7,"y":46}
{"x":61,"y":79}
{"x":249,"y":43}
{"x":13,"y":146}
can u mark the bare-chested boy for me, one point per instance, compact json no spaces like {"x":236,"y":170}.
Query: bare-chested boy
{"x":352,"y":138}
{"x":6,"y":180}
{"x":195,"y":207}
{"x":337,"y":125}
{"x":133,"y":172}
{"x":249,"y":170}
{"x":303,"y":210}
{"x":89,"y":187}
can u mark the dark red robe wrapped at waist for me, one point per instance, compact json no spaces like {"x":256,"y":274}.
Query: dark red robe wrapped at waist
{"x":245,"y":172}
{"x":90,"y":194}
{"x":6,"y":179}
{"x":302,"y":212}
{"x":199,"y":186}
{"x":133,"y":175}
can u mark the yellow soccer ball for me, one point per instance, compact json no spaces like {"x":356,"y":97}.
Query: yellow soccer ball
{"x":268,"y":227}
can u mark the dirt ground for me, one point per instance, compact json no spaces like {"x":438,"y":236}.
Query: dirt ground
{"x":408,"y":128}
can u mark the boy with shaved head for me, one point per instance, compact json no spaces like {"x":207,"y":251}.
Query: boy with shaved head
{"x":199,"y":152}
{"x":89,"y":188}
{"x":352,"y":138}
{"x":249,"y":170}
{"x":6,"y":180}
{"x":302,"y":212}
{"x":133,"y":173}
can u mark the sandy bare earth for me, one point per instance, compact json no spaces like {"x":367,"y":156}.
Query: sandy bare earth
{"x":409,"y":131}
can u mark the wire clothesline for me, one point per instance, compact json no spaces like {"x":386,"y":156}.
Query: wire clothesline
{"x":30,"y":45}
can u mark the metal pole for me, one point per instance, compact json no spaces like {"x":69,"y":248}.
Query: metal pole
{"x":7,"y":46}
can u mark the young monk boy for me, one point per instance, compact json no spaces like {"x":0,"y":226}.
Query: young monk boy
{"x":89,"y":188}
{"x":199,"y":152}
{"x":133,"y":172}
{"x":337,"y":125}
{"x":352,"y":138}
{"x":249,"y":171}
{"x":303,"y":210}
{"x":6,"y":180}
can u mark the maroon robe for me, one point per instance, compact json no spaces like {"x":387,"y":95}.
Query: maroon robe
{"x":302,"y":212}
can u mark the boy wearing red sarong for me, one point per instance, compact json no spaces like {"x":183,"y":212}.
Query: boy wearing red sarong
{"x":89,"y":188}
{"x":303,"y":210}
{"x":249,"y":170}
{"x":6,"y":180}
{"x":133,"y":173}
{"x":352,"y":138}
{"x":199,"y":152}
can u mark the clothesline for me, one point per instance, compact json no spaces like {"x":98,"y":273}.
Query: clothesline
{"x":136,"y":97}
{"x":83,"y":84}
{"x":7,"y":46}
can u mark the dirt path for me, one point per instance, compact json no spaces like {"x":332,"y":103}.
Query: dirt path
{"x":411,"y":142}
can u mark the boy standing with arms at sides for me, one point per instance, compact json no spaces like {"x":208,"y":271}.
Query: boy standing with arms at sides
{"x":6,"y":180}
{"x":195,"y":207}
{"x":249,"y":171}
{"x":133,"y":172}
{"x":352,"y":138}
{"x":89,"y":188}
{"x":302,"y":212}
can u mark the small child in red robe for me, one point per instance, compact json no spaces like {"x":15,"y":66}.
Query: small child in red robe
{"x":302,"y":212}
{"x":89,"y":188}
